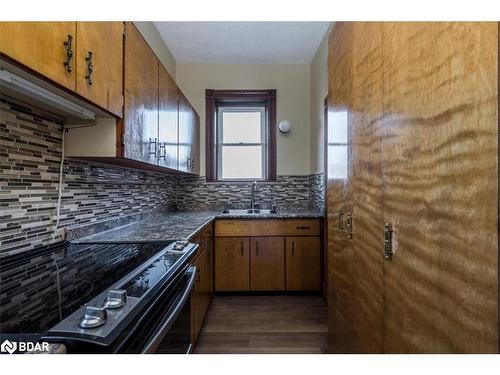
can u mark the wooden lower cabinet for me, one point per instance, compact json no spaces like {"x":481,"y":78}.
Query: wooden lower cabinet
{"x":267,"y":263}
{"x":199,"y":294}
{"x":303,"y":263}
{"x":232,"y":264}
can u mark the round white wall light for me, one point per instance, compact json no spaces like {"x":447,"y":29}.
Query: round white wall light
{"x":284,"y":126}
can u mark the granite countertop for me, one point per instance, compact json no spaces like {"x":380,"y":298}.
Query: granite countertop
{"x":172,"y":226}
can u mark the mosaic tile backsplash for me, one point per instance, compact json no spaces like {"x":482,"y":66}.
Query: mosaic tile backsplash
{"x":103,"y":196}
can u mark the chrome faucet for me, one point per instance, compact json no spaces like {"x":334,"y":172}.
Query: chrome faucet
{"x":254,"y":190}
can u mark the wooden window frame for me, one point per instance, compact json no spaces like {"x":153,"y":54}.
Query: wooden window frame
{"x":224,"y":98}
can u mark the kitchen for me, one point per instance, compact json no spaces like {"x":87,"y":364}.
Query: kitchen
{"x":182,"y":187}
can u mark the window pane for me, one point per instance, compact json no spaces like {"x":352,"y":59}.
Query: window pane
{"x":337,"y":127}
{"x":241,"y":162}
{"x":241,"y":127}
{"x":337,"y":162}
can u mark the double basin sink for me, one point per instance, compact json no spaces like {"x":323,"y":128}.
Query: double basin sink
{"x":249,"y":211}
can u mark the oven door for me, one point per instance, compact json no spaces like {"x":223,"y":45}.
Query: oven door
{"x":166,"y":326}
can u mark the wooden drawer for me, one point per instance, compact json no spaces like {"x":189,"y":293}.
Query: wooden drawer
{"x":303,"y":227}
{"x":249,"y":228}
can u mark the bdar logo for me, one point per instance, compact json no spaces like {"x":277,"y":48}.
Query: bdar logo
{"x":9,"y":347}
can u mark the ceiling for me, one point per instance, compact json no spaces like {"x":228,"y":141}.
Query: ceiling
{"x":243,"y":42}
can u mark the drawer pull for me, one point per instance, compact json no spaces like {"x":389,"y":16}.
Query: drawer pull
{"x":303,"y":227}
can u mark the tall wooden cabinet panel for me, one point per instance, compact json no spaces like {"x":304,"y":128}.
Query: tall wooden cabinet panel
{"x":168,"y":120}
{"x":232,"y":264}
{"x":368,"y":219}
{"x":99,"y":64}
{"x":199,"y":293}
{"x":41,"y":47}
{"x":441,"y":186}
{"x":303,"y":263}
{"x":141,"y":98}
{"x":422,"y":102}
{"x":338,"y":185}
{"x":267,"y":263}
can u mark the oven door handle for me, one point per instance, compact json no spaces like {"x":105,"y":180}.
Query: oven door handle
{"x":160,"y":333}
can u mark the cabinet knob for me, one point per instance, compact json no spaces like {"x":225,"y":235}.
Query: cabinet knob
{"x":68,"y":44}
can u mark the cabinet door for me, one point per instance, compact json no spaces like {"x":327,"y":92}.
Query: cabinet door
{"x":303,"y":263}
{"x":367,"y":271}
{"x":199,"y":293}
{"x":168,"y":120}
{"x":267,"y":263}
{"x":195,"y":140}
{"x":232,"y":264}
{"x":101,"y":44}
{"x":340,"y":253}
{"x":141,"y":98}
{"x":210,"y":270}
{"x":439,"y":158}
{"x":40,"y":46}
{"x":185,"y":134}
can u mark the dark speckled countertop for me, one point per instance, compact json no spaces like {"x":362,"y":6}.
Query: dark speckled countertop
{"x":171,"y":226}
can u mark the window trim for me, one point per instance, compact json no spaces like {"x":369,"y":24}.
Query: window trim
{"x":248,"y":98}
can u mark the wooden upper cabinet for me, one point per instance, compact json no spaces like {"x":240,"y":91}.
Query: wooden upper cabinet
{"x":141,"y":98}
{"x":99,"y":64}
{"x":41,"y":47}
{"x":267,"y":259}
{"x":185,"y":134}
{"x":168,"y":107}
{"x":303,"y":263}
{"x":195,"y":149}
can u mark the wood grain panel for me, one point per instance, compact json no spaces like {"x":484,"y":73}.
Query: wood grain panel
{"x":267,"y":264}
{"x":440,"y":186}
{"x":368,"y":221}
{"x":141,"y":97}
{"x":232,"y":264}
{"x":302,"y":227}
{"x":40,"y":46}
{"x":105,"y":41}
{"x":339,"y":247}
{"x":303,"y":263}
{"x":168,"y":107}
{"x":248,"y":228}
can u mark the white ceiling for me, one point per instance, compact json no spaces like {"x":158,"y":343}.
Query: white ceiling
{"x":243,"y":42}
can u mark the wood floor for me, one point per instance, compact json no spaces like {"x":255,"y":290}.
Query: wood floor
{"x":264,"y":324}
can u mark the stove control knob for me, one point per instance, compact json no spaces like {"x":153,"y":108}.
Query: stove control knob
{"x":93,"y":317}
{"x":116,"y":299}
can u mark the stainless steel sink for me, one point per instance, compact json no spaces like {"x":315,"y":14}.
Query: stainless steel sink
{"x":248,"y":212}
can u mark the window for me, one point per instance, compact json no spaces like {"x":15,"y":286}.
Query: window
{"x":241,"y":134}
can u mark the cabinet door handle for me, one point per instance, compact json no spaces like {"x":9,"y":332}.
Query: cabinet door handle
{"x":257,"y":248}
{"x":303,"y":227}
{"x":162,"y":152}
{"x":68,"y":44}
{"x":208,"y":257}
{"x":152,"y":142}
{"x":197,"y":274}
{"x":341,"y":220}
{"x":349,"y":225}
{"x":388,"y":241}
{"x":90,"y":67}
{"x":241,"y":248}
{"x":293,"y":248}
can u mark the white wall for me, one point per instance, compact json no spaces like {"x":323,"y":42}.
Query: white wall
{"x":292,"y":83}
{"x":319,"y":90}
{"x":152,"y":36}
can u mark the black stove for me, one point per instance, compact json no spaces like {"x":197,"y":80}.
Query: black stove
{"x":146,"y":310}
